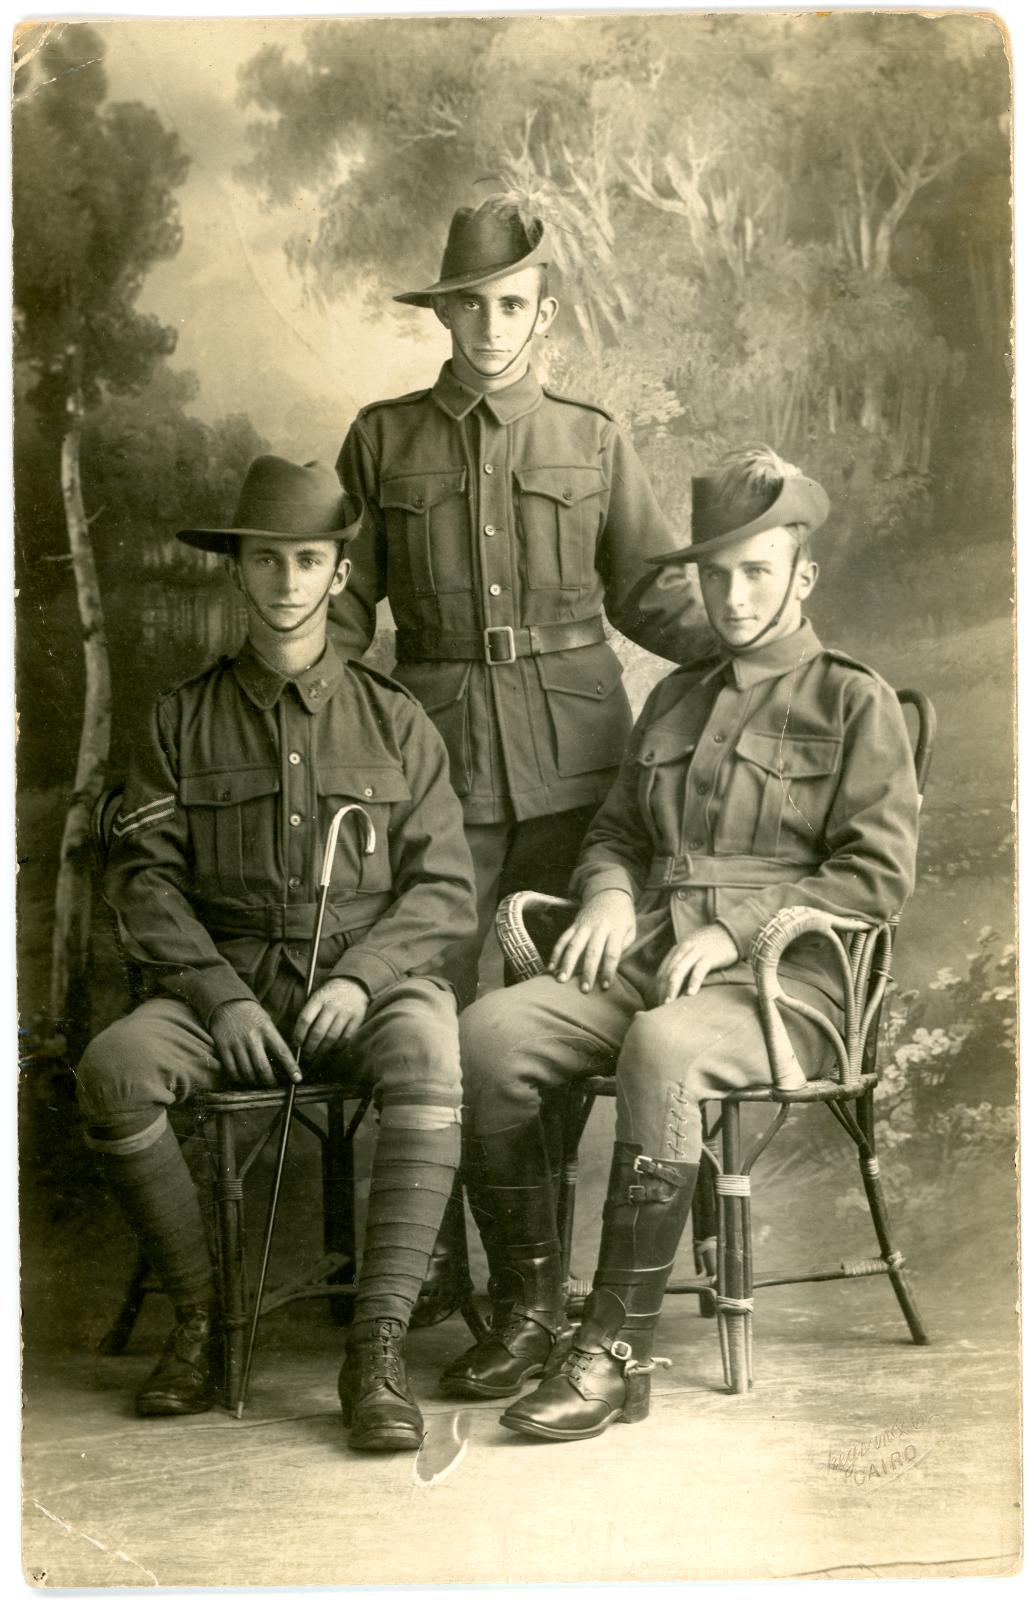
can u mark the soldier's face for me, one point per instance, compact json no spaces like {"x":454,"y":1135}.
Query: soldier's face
{"x":745,"y":585}
{"x":288,"y":583}
{"x":493,"y":325}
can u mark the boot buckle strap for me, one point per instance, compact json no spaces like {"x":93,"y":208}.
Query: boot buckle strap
{"x":621,"y":1350}
{"x":651,"y":1168}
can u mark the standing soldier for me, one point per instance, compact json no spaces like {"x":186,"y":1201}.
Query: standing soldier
{"x":213,"y":877}
{"x":502,"y":518}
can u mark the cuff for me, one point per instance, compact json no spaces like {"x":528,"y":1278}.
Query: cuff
{"x":593,"y":880}
{"x":204,"y":991}
{"x":741,"y":929}
{"x":371,"y":971}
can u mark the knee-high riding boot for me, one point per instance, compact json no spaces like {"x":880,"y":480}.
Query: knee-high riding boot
{"x":519,"y":1204}
{"x":606,"y":1376}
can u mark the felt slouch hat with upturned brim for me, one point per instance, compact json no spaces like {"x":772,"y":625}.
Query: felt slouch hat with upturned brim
{"x":729,"y":506}
{"x":485,"y":242}
{"x":279,"y":500}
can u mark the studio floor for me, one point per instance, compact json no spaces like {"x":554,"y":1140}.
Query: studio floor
{"x":857,"y":1454}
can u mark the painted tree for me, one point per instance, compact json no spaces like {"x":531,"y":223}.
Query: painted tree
{"x":93,"y":211}
{"x":741,"y":205}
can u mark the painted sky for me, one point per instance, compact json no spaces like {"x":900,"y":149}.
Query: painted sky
{"x":300,"y":372}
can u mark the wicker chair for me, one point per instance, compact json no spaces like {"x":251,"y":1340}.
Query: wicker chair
{"x":528,"y":925}
{"x":222,"y":1121}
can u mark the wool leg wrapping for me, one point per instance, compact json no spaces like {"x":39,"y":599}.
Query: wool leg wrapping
{"x":154,"y":1187}
{"x":409,"y":1187}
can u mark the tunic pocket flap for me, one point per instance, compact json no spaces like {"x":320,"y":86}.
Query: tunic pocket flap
{"x":593,"y":671}
{"x":382,"y":784}
{"x":419,"y":491}
{"x":228,"y":788}
{"x":564,"y":484}
{"x":660,"y":745}
{"x":792,"y":755}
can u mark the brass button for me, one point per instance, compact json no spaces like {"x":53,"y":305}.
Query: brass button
{"x":489,"y":468}
{"x":295,"y":820}
{"x":720,"y":738}
{"x":702,"y":788}
{"x":648,"y":755}
{"x":314,"y":694}
{"x":696,"y":844}
{"x":489,"y":530}
{"x":600,"y":688}
{"x":418,"y":502}
{"x":294,"y":758}
{"x":567,"y":494}
{"x":494,"y":588}
{"x":682,"y":894}
{"x":225,"y":795}
{"x":294,"y":883}
{"x":368,"y":794}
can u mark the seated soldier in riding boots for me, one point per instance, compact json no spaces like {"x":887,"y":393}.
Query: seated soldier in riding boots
{"x":213,"y":875}
{"x":779,"y":773}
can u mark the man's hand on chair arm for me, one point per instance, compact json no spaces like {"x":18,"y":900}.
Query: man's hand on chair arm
{"x":604,"y":927}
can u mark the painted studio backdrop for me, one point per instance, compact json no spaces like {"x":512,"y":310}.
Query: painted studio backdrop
{"x":794,"y":230}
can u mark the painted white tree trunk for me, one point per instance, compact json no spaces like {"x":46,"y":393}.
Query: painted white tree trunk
{"x":72,"y":896}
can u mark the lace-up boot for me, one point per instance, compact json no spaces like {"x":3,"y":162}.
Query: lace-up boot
{"x":183,"y":1381}
{"x":377,"y":1404}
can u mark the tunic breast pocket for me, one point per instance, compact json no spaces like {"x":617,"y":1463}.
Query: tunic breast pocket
{"x":560,"y":513}
{"x":428,"y":532}
{"x":232,"y":821}
{"x":662,"y":759}
{"x":377,"y":789}
{"x":781,"y":791}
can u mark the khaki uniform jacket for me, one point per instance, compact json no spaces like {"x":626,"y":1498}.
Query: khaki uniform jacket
{"x":218,"y":845}
{"x":524,"y":511}
{"x":780,"y":778}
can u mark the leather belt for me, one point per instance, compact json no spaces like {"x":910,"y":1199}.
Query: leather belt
{"x":725,"y":872}
{"x":276,"y":924}
{"x":498,"y":646}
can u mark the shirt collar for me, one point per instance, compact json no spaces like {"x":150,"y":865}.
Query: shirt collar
{"x":504,"y":405}
{"x":264,"y":685}
{"x":773,"y":660}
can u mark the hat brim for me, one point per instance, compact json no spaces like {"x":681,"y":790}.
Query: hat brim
{"x":801,"y":502}
{"x":537,"y":257}
{"x":223,"y":541}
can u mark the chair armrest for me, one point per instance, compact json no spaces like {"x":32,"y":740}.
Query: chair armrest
{"x":855,"y":942}
{"x":523,"y":953}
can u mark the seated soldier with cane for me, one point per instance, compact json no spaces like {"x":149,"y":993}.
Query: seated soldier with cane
{"x":777,"y":774}
{"x":217,"y":852}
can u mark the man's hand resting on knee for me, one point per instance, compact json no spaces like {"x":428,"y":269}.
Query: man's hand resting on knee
{"x":602,"y":931}
{"x":689,"y":962}
{"x":330,"y":1017}
{"x":249,"y":1045}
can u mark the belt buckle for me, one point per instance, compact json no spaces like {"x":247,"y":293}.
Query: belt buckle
{"x":487,"y":639}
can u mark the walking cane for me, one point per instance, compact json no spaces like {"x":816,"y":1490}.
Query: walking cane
{"x":369,"y":845}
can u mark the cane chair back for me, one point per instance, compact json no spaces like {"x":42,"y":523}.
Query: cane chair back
{"x":528,"y":925}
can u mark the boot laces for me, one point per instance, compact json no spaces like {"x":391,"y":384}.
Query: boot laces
{"x":383,"y":1354}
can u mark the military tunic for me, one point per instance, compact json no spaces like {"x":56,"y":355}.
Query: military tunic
{"x":783,"y":777}
{"x":215,"y":865}
{"x":499,"y":526}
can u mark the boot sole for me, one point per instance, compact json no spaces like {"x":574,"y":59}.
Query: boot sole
{"x":387,"y":1439}
{"x":538,"y":1430}
{"x":165,"y":1406}
{"x":473,"y":1389}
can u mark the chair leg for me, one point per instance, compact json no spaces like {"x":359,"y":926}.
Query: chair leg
{"x":870,"y":1170}
{"x":230,"y":1209}
{"x":734,"y":1302}
{"x":704,"y":1213}
{"x":119,"y":1334}
{"x":339,"y":1215}
{"x":577,"y":1107}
